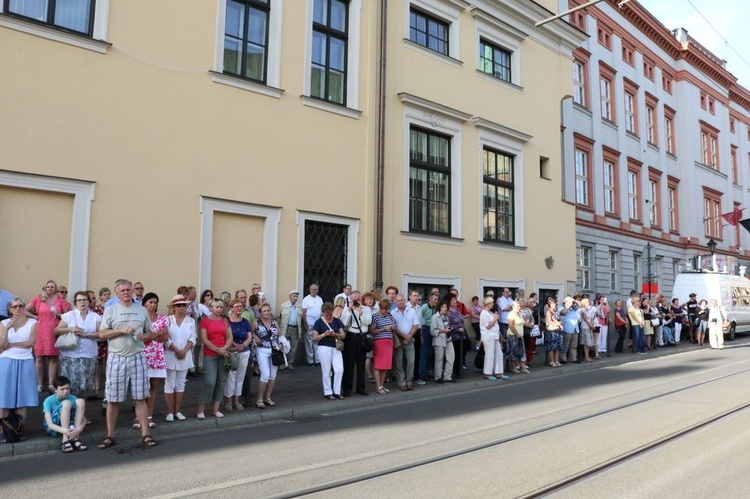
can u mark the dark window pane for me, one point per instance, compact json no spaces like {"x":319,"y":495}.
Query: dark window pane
{"x":338,"y":54}
{"x":232,"y":55}
{"x":319,"y":48}
{"x":336,"y":86}
{"x":235,"y":20}
{"x":317,"y":82}
{"x":255,"y":61}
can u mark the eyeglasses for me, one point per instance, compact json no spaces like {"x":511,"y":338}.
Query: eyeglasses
{"x":180,"y":305}
{"x":63,"y":292}
{"x":17,"y":306}
{"x":138,"y":289}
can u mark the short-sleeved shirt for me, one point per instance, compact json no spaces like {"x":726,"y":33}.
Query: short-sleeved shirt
{"x":53,"y":405}
{"x":312,"y":306}
{"x":240,"y":330}
{"x":119,"y":316}
{"x":321,"y":327}
{"x":381,"y":321}
{"x":405,"y":321}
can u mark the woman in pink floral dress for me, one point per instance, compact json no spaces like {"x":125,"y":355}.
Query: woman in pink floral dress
{"x":154,"y":352}
{"x":46,"y":308}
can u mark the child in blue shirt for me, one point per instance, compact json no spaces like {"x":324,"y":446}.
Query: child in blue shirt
{"x":59,"y":410}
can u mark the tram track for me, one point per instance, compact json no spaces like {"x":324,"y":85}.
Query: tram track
{"x":570,"y":481}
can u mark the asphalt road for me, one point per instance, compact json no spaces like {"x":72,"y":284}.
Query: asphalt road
{"x":507,"y":440}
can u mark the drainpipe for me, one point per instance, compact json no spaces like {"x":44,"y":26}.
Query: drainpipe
{"x":381,"y":149}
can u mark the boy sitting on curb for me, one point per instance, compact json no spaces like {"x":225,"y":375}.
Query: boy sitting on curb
{"x":59,"y":409}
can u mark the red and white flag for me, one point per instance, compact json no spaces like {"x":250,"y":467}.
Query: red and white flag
{"x":733,"y":217}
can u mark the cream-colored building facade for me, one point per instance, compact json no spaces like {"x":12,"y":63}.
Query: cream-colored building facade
{"x":242,"y":141}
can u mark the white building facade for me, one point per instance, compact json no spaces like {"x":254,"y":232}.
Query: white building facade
{"x":656,"y":148}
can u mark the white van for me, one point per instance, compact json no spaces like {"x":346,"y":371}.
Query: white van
{"x":731,"y":291}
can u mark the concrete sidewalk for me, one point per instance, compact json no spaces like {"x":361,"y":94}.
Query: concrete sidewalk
{"x":299,"y":396}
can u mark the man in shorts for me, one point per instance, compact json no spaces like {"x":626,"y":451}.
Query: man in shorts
{"x":126,"y":326}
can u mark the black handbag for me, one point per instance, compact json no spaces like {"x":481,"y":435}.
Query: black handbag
{"x":367,"y":343}
{"x":277,"y":357}
{"x":12,"y":429}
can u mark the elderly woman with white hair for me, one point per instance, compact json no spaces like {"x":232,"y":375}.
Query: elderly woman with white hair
{"x":489,"y":330}
{"x":516,"y":349}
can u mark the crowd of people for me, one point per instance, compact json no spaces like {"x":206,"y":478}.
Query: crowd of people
{"x":377,"y":337}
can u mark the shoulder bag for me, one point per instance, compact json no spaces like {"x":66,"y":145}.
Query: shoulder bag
{"x":67,"y":341}
{"x":11,"y":429}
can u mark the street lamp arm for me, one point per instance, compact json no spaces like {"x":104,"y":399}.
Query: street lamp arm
{"x":576,"y":9}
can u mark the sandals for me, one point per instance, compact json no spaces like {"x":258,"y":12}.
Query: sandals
{"x":240,"y":407}
{"x":338,"y":396}
{"x":136,"y":425}
{"x":67,"y":447}
{"x":381,"y":390}
{"x":148,"y":441}
{"x":80,"y":445}
{"x":106,"y":443}
{"x":260,"y":405}
{"x":151,"y":423}
{"x":330,"y":397}
{"x":371,"y":380}
{"x":270,"y":403}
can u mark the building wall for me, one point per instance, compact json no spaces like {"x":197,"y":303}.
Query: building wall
{"x":670,"y":72}
{"x":162,"y":168}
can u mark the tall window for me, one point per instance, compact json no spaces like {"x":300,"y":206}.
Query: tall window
{"x":72,"y":15}
{"x":579,"y":83}
{"x":735,"y":170}
{"x":609,"y":187}
{"x":669,"y":130}
{"x":584,"y":263}
{"x":429,"y":182}
{"x":582,"y":177}
{"x":494,"y":60}
{"x":709,"y":147}
{"x":428,"y":31}
{"x":605,"y":90}
{"x":633,"y":198}
{"x":672,"y":207}
{"x":712,"y":221}
{"x":653,"y":209}
{"x":329,"y":47}
{"x":637,"y":279}
{"x":651,"y":124}
{"x":498,"y":186}
{"x":246,"y":38}
{"x":612,"y":270}
{"x":630,"y":112}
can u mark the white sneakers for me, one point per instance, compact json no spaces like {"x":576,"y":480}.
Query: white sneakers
{"x":170,"y":417}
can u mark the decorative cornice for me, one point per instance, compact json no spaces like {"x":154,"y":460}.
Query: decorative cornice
{"x":433,"y":107}
{"x":501,"y":129}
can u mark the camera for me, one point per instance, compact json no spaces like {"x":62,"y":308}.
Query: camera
{"x":355,"y":303}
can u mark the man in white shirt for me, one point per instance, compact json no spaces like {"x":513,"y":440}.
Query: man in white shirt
{"x":504,"y":306}
{"x":291,"y":320}
{"x":407,"y":325}
{"x":346,"y":292}
{"x":311,"y":311}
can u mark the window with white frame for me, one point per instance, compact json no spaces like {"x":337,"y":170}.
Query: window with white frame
{"x":669,"y":132}
{"x":609,"y":187}
{"x":494,"y":60}
{"x":328,"y":69}
{"x":246,"y":33}
{"x":637,"y":274}
{"x":672,"y":202}
{"x":584,"y":265}
{"x":579,"y":83}
{"x":633,"y":197}
{"x":653,"y":209}
{"x":72,"y":15}
{"x":499,"y":199}
{"x":605,"y":90}
{"x":434,"y":26}
{"x":613,"y":256}
{"x":650,"y":124}
{"x":629,"y":112}
{"x":429,"y":182}
{"x":582,"y":177}
{"x":428,"y":31}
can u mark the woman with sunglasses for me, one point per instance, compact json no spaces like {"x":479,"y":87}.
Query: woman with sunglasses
{"x":78,"y":364}
{"x":47,"y":308}
{"x":178,"y":356}
{"x":17,"y":338}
